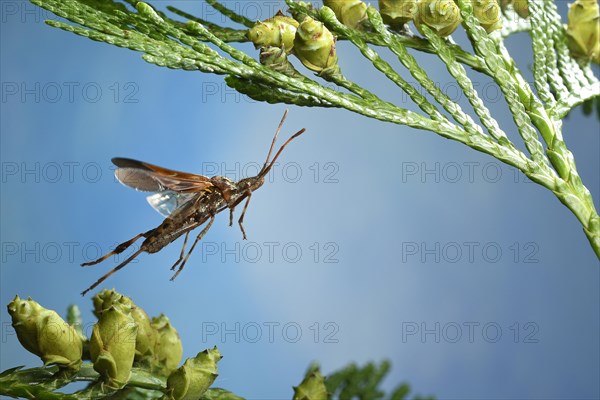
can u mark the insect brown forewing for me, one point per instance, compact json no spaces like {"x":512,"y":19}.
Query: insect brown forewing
{"x":188,"y":201}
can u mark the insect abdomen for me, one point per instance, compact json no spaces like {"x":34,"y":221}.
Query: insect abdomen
{"x":166,"y":233}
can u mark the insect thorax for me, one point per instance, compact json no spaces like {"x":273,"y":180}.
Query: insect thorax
{"x":225,"y":186}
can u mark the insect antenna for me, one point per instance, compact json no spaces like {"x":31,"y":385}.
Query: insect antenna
{"x":268,"y":165}
{"x":266,"y":169}
{"x":273,"y":142}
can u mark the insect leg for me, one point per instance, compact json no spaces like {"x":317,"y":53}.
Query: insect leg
{"x":198,"y":238}
{"x":231,"y":209}
{"x":115,"y":269}
{"x":182,"y":251}
{"x":241,"y":220}
{"x":118,"y":250}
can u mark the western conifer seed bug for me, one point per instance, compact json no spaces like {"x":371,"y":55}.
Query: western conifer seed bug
{"x":187,"y":201}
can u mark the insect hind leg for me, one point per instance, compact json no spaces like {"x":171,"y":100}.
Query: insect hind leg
{"x":118,"y":250}
{"x":231,"y":210}
{"x":198,"y":238}
{"x":241,"y":220}
{"x":187,"y":234}
{"x":112,"y":271}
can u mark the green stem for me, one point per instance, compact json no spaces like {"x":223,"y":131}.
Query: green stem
{"x":251,"y":69}
{"x":329,"y":18}
{"x":40,"y":384}
{"x":225,"y":34}
{"x":339,"y":79}
{"x":506,"y":75}
{"x":232,"y":15}
{"x":261,"y":92}
{"x":585,"y":211}
{"x":540,"y":39}
{"x":513,"y":24}
{"x":475,"y":138}
{"x":567,"y":185}
{"x":565,"y":105}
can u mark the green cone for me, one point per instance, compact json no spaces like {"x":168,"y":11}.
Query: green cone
{"x":194,"y":377}
{"x":488,"y":13}
{"x":314,"y":46}
{"x":396,"y":13}
{"x":351,"y":13}
{"x":145,"y":340}
{"x":44,"y":333}
{"x":276,"y":59}
{"x":112,"y":345}
{"x":278,"y":31}
{"x":104,"y":299}
{"x":312,"y":387}
{"x":583,"y":30}
{"x":442,"y":16}
{"x":168,"y":349}
{"x":521,"y":7}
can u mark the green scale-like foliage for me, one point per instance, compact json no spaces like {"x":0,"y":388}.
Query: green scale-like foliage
{"x":561,"y":82}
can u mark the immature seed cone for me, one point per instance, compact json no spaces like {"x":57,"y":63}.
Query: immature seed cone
{"x":396,"y":13}
{"x":44,"y":333}
{"x":272,"y":56}
{"x":104,"y":299}
{"x":168,"y":349}
{"x":442,"y":16}
{"x":276,"y":59}
{"x":583,"y":30}
{"x":488,"y":13}
{"x":278,"y":31}
{"x":145,"y":340}
{"x":194,"y":377}
{"x":351,"y":13}
{"x":311,"y":388}
{"x":112,"y":345}
{"x":521,"y":7}
{"x":314,"y":46}
{"x":146,"y":337}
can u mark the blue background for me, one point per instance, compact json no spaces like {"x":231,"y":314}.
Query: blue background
{"x":364,"y":210}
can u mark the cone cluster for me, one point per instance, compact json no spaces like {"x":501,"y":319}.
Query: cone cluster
{"x":309,"y":40}
{"x":315,"y":46}
{"x":124,"y":337}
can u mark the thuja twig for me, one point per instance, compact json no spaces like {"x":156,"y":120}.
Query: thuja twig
{"x":561,"y":75}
